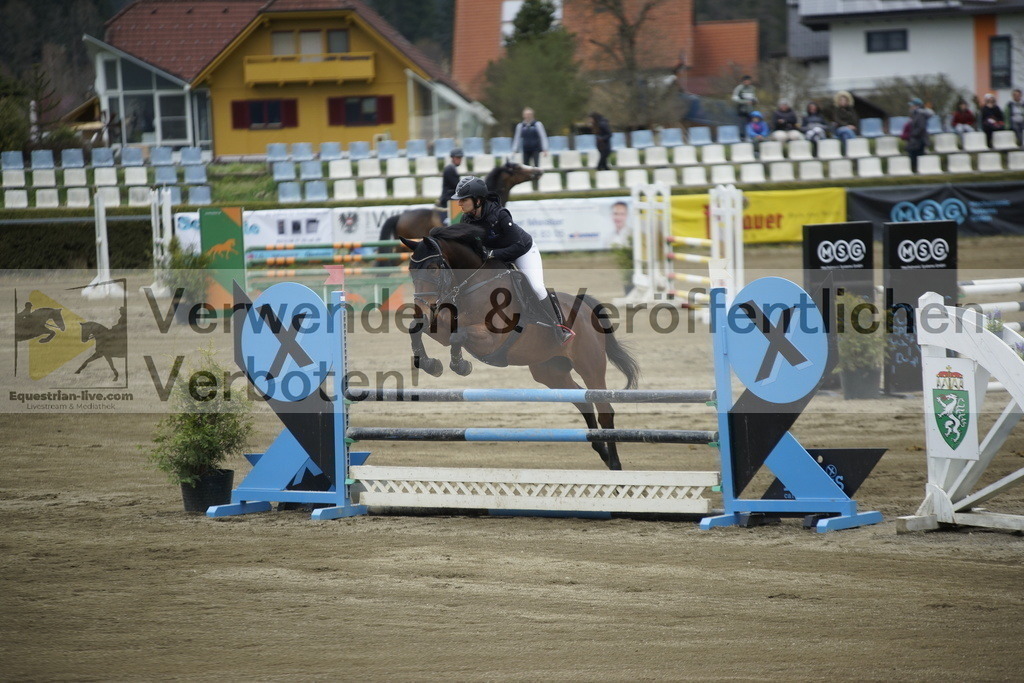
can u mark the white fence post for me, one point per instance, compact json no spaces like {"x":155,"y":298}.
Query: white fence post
{"x":101,"y":286}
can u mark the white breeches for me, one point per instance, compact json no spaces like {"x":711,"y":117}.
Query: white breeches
{"x":532,"y":267}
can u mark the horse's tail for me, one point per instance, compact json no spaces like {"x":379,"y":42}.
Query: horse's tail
{"x":390,"y":228}
{"x":617,"y":352}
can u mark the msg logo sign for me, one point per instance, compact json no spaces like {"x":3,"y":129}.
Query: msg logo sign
{"x":929,"y":210}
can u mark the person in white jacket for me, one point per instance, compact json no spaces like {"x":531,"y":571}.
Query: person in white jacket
{"x":530,"y":138}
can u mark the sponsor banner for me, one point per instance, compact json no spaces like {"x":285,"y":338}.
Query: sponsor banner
{"x":976,"y":209}
{"x":221,"y":240}
{"x":773,"y":216}
{"x":572,"y":224}
{"x":288,"y":226}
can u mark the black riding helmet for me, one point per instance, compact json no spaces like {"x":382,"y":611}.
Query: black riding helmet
{"x":470,"y":187}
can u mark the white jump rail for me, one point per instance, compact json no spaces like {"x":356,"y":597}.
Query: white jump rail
{"x":102,"y":286}
{"x":954,"y":393}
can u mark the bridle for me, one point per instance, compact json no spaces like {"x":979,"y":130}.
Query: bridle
{"x":446,"y":290}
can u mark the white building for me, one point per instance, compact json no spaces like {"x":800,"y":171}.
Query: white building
{"x":977,"y":44}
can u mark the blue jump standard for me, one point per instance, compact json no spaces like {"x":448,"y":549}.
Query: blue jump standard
{"x":530,"y":395}
{"x":546,"y":435}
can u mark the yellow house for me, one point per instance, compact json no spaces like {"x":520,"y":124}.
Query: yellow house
{"x":236,"y":75}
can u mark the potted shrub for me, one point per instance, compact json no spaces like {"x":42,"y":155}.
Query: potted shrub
{"x":186,"y":277}
{"x":204,"y":428}
{"x":861,"y":345}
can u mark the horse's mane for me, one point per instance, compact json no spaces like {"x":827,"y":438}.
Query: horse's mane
{"x":492,"y":178}
{"x":465,"y":234}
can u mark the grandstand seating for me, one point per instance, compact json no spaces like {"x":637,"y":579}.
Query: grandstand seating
{"x":781,"y":171}
{"x":358,"y":150}
{"x":387,"y":149}
{"x":871,"y":128}
{"x":671,"y":137}
{"x":699,"y":136}
{"x":641,"y":139}
{"x":329,"y":151}
{"x":728,"y":135}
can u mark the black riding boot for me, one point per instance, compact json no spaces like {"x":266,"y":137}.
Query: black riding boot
{"x":562,"y":331}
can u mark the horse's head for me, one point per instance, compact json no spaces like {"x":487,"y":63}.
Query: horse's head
{"x":520,"y":173}
{"x":88,"y":331}
{"x":430,"y":271}
{"x":56,"y":317}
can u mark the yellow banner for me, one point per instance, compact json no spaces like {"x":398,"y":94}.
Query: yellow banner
{"x":773,"y":216}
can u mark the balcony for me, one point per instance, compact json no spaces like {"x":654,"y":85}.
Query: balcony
{"x":309,"y":69}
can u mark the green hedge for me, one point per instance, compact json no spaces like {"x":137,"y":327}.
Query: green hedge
{"x":72,"y":245}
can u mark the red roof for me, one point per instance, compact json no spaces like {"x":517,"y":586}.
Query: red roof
{"x":182,"y":37}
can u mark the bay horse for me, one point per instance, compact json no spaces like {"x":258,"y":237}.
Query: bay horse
{"x":416,"y":223}
{"x":466,"y":301}
{"x":110,"y":343}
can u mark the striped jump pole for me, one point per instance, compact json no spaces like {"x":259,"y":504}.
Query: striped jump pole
{"x":530,"y":395}
{"x":327,"y":245}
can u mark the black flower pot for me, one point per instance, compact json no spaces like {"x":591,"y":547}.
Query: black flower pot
{"x":213,"y":488}
{"x":860,"y":383}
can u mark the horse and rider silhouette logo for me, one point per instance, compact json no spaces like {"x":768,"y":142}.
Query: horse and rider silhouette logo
{"x":54,"y":335}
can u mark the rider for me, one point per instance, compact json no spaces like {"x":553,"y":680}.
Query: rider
{"x":449,"y":181}
{"x":508,"y":242}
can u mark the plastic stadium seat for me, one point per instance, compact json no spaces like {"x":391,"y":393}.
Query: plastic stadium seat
{"x":289,"y":193}
{"x":345,"y":190}
{"x":712,"y":154}
{"x":168,"y":175}
{"x":692,"y":175}
{"x":929,"y":164}
{"x":431,"y":187}
{"x":627,"y":157}
{"x":829,"y":149}
{"x":110,"y":196}
{"x":359,"y":149}
{"x":482,"y":164}
{"x":636,"y":176}
{"x":741,"y":152}
{"x":72,"y":158}
{"x":935,"y":125}
{"x":277,"y":151}
{"x":78,"y":198}
{"x":175,"y":194}
{"x":723,"y":174}
{"x":443,"y":146}
{"x":666,"y":176}
{"x":75,"y":177}
{"x":283,"y":171}
{"x":43,"y":159}
{"x":728,"y":135}
{"x":387,"y":149}
{"x":135,"y":175}
{"x":898,"y":166}
{"x":132,"y":156}
{"x":656,"y":156}
{"x":14,"y":161}
{"x":14,"y":179}
{"x":896,"y":124}
{"x":396,"y":167}
{"x":991,"y":161}
{"x":191,"y":156}
{"x":199,"y":195}
{"x":308,"y":170}
{"x":607,"y":180}
{"x":887,"y":146}
{"x":946,"y":143}
{"x":102,"y":157}
{"x":671,"y":137}
{"x":44,"y":178}
{"x":159,"y":156}
{"x":375,"y":188}
{"x":368,"y":168}
{"x":585,"y":142}
{"x":426,"y":166}
{"x":858,"y":148}
{"x":1015,"y":161}
{"x":15,"y":199}
{"x":570,"y":158}
{"x":1004,"y":140}
{"x":959,"y":163}
{"x":315,"y":191}
{"x":339,"y":168}
{"x":975,"y":142}
{"x":330,"y":151}
{"x":473,"y":146}
{"x":404,"y":188}
{"x":700,"y":136}
{"x":840,"y":168}
{"x":416,"y":148}
{"x":577,"y":180}
{"x":104,"y":176}
{"x":502,"y":146}
{"x":558,"y":143}
{"x":302,"y":151}
{"x":871,"y":128}
{"x":196,"y":175}
{"x":771,"y":150}
{"x":619,"y":140}
{"x":752,"y":173}
{"x":800,"y":150}
{"x":641,"y":139}
{"x":550,"y":182}
{"x":869,"y":167}
{"x":139,"y":196}
{"x":781,"y":171}
{"x":684,"y":155}
{"x":812,"y":170}
{"x":48,"y":199}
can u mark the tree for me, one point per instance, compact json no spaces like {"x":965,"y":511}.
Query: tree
{"x":535,"y":18}
{"x":937,"y":92}
{"x":540,"y":73}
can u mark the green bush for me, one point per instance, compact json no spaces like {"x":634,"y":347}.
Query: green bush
{"x":859,"y":334}
{"x":72,"y":245}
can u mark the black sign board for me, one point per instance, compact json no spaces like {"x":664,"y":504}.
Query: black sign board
{"x":917,"y":258}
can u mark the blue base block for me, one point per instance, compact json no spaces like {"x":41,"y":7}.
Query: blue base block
{"x":338,"y":512}
{"x":243,"y":508}
{"x":848,"y":521}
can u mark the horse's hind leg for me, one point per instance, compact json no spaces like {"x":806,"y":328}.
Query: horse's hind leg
{"x":110,"y":362}
{"x":592,"y":369}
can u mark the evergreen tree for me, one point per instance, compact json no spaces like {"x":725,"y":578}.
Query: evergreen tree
{"x":535,"y":18}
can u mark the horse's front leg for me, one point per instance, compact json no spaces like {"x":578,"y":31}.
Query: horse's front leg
{"x":88,"y":360}
{"x":420,"y":359}
{"x":459,"y":365}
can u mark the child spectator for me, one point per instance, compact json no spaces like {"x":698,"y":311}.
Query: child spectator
{"x":757,"y":129}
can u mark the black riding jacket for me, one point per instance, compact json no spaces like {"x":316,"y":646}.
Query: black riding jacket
{"x":449,"y":181}
{"x":501,"y":234}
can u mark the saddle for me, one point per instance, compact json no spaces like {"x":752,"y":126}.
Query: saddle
{"x":531,"y":314}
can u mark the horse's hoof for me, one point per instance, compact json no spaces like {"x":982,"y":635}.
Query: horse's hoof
{"x":431,"y":366}
{"x":78,"y":371}
{"x":461,"y":367}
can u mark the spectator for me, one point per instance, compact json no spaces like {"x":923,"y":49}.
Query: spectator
{"x":964,"y":120}
{"x":603,"y":134}
{"x":847,"y":123}
{"x":530,"y":138}
{"x":757,"y":129}
{"x":917,"y":136}
{"x":1015,"y":115}
{"x":991,"y":117}
{"x":815,"y":126}
{"x":785,"y":123}
{"x":449,"y":182}
{"x":744,"y":96}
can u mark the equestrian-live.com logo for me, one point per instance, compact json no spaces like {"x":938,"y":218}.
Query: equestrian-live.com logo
{"x":952,"y":406}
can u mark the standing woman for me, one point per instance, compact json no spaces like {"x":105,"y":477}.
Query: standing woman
{"x":603,"y":133}
{"x":530,"y":138}
{"x":506,"y":241}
